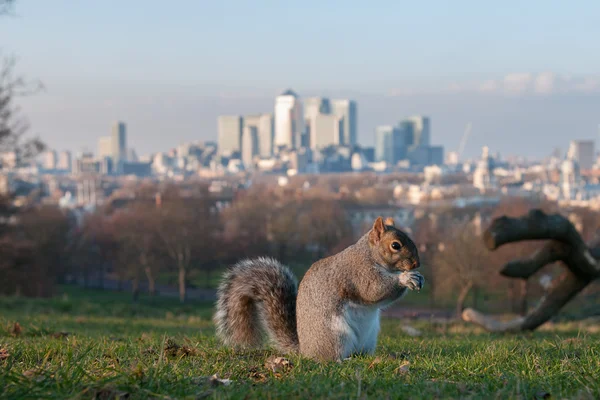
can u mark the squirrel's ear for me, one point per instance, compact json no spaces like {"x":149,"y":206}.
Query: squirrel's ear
{"x":389,"y":221}
{"x":377,"y":231}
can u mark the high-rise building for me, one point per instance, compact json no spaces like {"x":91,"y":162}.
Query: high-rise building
{"x":119,"y":142}
{"x":326,"y":131}
{"x":265,"y":135}
{"x":249,"y":145}
{"x":313,"y":106}
{"x":421,"y":131}
{"x":289,"y":120}
{"x":230,"y":133}
{"x":50,"y":160}
{"x":64,"y":161}
{"x":583,"y":151}
{"x":384,"y":143}
{"x":105,"y":147}
{"x":346,"y":111}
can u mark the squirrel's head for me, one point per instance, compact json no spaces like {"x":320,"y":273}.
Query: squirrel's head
{"x":392,"y":247}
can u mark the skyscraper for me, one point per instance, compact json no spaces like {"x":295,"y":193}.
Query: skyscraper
{"x":105,"y":147}
{"x":314,"y":106}
{"x":384,"y":143}
{"x":64,"y":161}
{"x":50,"y":160}
{"x":326,"y":131}
{"x":289,"y":120}
{"x":346,"y":111}
{"x":249,"y":145}
{"x":119,"y":142}
{"x":230,"y":133}
{"x":265,"y":135}
{"x":421,"y":131}
{"x":583,"y":151}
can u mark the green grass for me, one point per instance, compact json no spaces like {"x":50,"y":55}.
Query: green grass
{"x":160,"y":349}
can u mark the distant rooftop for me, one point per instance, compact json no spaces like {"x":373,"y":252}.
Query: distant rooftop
{"x":289,"y":92}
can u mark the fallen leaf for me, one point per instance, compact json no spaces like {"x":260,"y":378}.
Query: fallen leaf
{"x":403,"y":368}
{"x":410,"y":331}
{"x":4,"y":354}
{"x":376,"y":361}
{"x":59,"y":335}
{"x":256,"y":375}
{"x":16,"y":329}
{"x":173,"y":349}
{"x":278,"y":364}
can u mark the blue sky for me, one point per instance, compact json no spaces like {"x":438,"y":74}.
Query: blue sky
{"x":153,"y":62}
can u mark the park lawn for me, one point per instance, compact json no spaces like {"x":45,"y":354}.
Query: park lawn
{"x":100,"y":345}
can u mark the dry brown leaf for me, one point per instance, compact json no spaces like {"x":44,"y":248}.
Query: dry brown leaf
{"x":174,"y":349}
{"x":376,"y":361}
{"x":403,"y":368}
{"x":256,"y":375}
{"x":4,"y":354}
{"x":16,"y":329}
{"x":59,"y":335}
{"x":278,"y":364}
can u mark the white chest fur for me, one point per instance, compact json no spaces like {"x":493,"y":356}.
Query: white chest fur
{"x":357,"y":329}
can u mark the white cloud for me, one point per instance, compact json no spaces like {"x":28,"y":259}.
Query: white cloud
{"x":488,"y":86}
{"x":517,"y":82}
{"x":544,"y":83}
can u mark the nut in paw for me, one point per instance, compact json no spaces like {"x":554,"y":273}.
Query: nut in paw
{"x":412,"y":280}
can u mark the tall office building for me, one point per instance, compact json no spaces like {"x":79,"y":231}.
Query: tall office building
{"x":64,"y":161}
{"x":584,"y":152}
{"x":119,"y":142}
{"x":264,"y":132}
{"x":230,"y":133}
{"x":346,"y":111}
{"x":249,"y":145}
{"x":421,"y":131}
{"x":105,"y":147}
{"x":326,"y":131}
{"x":265,"y":135}
{"x":50,"y":160}
{"x":314,"y":106}
{"x":289,"y":120}
{"x":384,"y":143}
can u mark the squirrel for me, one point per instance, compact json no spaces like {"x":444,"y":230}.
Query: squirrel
{"x":334,"y":313}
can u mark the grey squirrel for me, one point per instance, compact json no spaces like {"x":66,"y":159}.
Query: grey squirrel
{"x":334,"y":313}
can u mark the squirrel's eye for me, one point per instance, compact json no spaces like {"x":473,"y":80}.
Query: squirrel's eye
{"x":396,"y":245}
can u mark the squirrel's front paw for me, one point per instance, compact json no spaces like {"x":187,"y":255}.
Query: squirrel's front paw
{"x":412,"y":280}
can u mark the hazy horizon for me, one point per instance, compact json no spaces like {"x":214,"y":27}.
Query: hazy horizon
{"x":525,"y":75}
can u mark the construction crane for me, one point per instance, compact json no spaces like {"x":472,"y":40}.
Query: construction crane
{"x":463,"y":140}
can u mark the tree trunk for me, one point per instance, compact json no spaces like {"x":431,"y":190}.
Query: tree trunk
{"x":135,"y":288}
{"x":182,"y":282}
{"x":460,"y":302}
{"x":151,"y":281}
{"x":523,"y":299}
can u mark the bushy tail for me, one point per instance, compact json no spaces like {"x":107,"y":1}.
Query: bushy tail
{"x":255,"y":296}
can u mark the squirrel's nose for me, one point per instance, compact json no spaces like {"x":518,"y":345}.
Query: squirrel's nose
{"x":415,"y":264}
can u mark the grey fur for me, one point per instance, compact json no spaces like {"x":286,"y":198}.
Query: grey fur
{"x":338,"y":301}
{"x":254,"y":296}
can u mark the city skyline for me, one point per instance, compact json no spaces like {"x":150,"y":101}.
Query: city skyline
{"x":507,"y":80}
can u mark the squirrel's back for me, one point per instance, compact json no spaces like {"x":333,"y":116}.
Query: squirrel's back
{"x":258,"y":295}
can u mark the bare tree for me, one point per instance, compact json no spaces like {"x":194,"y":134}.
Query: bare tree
{"x":462,"y":263}
{"x":189,"y":230}
{"x":565,"y":245}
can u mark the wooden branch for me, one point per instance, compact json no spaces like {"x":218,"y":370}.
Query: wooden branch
{"x":566,"y":245}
